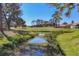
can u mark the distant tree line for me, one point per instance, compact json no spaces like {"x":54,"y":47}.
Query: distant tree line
{"x":55,"y":22}
{"x":40,"y":23}
{"x":61,"y":9}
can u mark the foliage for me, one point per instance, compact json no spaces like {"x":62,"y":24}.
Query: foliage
{"x":56,"y":18}
{"x":11,"y":13}
{"x":19,"y":38}
{"x":26,"y":37}
{"x":41,"y":23}
{"x":7,"y":46}
{"x":61,"y":7}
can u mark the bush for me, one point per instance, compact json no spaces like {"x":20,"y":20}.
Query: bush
{"x":26,"y":37}
{"x":19,"y":38}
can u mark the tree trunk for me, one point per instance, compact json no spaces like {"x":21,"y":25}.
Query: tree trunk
{"x":7,"y":22}
{"x":1,"y":28}
{"x":8,"y":25}
{"x":1,"y":21}
{"x":4,"y":34}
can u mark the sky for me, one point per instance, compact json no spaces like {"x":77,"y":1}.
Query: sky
{"x":34,"y":11}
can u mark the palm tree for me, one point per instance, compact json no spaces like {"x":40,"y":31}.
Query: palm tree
{"x":61,"y":7}
{"x":56,"y":19}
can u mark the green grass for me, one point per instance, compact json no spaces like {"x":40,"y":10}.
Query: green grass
{"x":19,"y":38}
{"x":3,"y":41}
{"x":69,"y":43}
{"x":43,"y":29}
{"x":7,"y":46}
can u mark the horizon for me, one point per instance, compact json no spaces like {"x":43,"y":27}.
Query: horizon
{"x":44,"y":11}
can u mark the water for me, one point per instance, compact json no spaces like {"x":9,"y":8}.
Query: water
{"x":38,"y":40}
{"x":33,"y":49}
{"x":33,"y":52}
{"x":38,"y":46}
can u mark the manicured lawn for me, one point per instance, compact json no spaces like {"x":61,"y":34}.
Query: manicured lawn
{"x":30,"y":29}
{"x":69,"y":43}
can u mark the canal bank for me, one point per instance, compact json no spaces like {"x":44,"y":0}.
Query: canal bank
{"x":19,"y":46}
{"x":39,"y":46}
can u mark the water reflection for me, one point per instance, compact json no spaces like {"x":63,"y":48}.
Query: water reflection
{"x":37,"y":40}
{"x":33,"y":52}
{"x":36,"y":47}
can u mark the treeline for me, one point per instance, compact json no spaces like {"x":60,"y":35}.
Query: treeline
{"x":54,"y":21}
{"x":61,"y":9}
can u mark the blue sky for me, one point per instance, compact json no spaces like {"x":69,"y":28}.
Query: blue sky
{"x":33,"y":11}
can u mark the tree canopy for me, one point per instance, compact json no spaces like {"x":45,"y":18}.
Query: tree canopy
{"x":61,"y":7}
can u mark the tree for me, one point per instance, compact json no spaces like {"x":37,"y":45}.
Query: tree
{"x":39,"y":22}
{"x":65,"y":23}
{"x":20,"y":22}
{"x":1,"y":20}
{"x":51,"y":21}
{"x":11,"y":13}
{"x":61,"y":7}
{"x":72,"y":21}
{"x":33,"y":23}
{"x":56,"y":19}
{"x":64,"y":8}
{"x":46,"y":23}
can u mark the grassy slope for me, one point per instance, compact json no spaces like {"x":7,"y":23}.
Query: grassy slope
{"x":13,"y":36}
{"x":69,"y":43}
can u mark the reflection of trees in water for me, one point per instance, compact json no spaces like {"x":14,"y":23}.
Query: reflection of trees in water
{"x":32,"y":50}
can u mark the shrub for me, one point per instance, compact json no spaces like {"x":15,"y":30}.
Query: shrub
{"x":19,"y":38}
{"x":26,"y":37}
